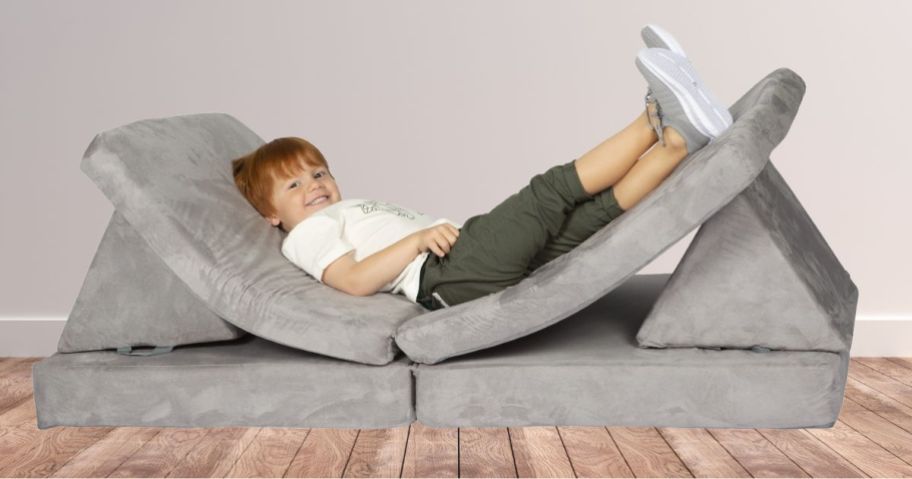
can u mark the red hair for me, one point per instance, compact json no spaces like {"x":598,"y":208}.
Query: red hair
{"x":256,"y":173}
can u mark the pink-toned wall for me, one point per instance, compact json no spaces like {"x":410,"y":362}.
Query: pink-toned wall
{"x":448,"y":107}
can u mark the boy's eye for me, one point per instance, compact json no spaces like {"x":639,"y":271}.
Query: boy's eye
{"x":321,"y":173}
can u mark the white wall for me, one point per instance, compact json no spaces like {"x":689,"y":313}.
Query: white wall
{"x":449,"y":107}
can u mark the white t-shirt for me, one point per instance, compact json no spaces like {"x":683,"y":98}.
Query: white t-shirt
{"x":366,"y":226}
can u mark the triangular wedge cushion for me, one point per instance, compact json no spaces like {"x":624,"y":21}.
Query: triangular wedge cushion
{"x":758,"y":273}
{"x":131,"y":298}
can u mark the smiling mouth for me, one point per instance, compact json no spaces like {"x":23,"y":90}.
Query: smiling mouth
{"x":321,"y":199}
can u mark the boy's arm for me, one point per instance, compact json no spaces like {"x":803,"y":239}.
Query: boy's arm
{"x":366,"y":277}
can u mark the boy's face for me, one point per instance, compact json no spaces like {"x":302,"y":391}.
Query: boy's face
{"x":294,"y":197}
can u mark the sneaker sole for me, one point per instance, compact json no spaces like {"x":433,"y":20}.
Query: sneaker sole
{"x":684,"y":84}
{"x":655,"y":36}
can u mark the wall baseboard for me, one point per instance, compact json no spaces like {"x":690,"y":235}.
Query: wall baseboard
{"x":874,"y":336}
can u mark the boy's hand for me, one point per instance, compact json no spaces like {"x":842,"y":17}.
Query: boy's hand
{"x":438,"y":238}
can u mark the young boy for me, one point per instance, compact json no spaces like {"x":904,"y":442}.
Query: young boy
{"x":363,"y":246}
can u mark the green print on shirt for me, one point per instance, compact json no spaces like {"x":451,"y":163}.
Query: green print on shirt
{"x":370,"y":206}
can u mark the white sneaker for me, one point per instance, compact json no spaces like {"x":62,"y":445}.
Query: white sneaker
{"x":682,"y":103}
{"x":657,"y":37}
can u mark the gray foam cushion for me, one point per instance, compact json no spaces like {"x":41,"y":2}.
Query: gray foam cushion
{"x":700,"y":185}
{"x":588,"y":371}
{"x":758,"y":273}
{"x":248,"y":382}
{"x":171,"y":179}
{"x":131,"y":298}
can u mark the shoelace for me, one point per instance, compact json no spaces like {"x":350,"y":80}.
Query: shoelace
{"x":654,"y":114}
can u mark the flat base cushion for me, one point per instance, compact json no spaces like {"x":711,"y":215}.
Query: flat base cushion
{"x":588,"y":370}
{"x":246,"y":382}
{"x":702,"y":184}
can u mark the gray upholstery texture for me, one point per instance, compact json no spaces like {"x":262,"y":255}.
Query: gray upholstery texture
{"x":701,"y":185}
{"x":578,"y":330}
{"x":588,"y":371}
{"x":245,"y":382}
{"x":171,"y":179}
{"x":758,"y":273}
{"x":131,"y":298}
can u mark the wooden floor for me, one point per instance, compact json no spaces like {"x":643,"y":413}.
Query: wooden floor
{"x":873,"y":437}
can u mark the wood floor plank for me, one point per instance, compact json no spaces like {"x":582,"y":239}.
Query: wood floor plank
{"x":888,"y":435}
{"x":378,"y":453}
{"x":42,"y":452}
{"x":20,"y":414}
{"x":889,"y":368}
{"x":539,"y":452}
{"x":904,"y":362}
{"x":648,"y":453}
{"x":810,"y":453}
{"x":593,"y":453}
{"x":216,"y":453}
{"x":105,"y":455}
{"x":18,"y":440}
{"x":13,"y":440}
{"x":18,"y":363}
{"x":865,"y":454}
{"x":7,"y":363}
{"x":485,"y":452}
{"x":704,"y":456}
{"x":160,"y":454}
{"x":888,"y":408}
{"x":880,"y":382}
{"x":431,"y":452}
{"x":756,"y":453}
{"x":16,"y":383}
{"x":324,"y":453}
{"x":269,"y":453}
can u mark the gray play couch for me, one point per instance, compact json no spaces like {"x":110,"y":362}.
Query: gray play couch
{"x":189,"y":315}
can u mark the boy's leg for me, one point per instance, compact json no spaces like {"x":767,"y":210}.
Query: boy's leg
{"x":610,"y":160}
{"x":581,"y":223}
{"x":592,"y":216}
{"x":494,"y":249}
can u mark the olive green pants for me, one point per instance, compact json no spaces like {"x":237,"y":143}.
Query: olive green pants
{"x":545,"y":219}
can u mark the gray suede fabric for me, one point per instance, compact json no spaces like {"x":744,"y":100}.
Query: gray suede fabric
{"x":171,"y":179}
{"x":248,"y":382}
{"x":131,"y":298}
{"x":758,"y":273}
{"x":588,"y":371}
{"x":700,"y":186}
{"x":170,"y":182}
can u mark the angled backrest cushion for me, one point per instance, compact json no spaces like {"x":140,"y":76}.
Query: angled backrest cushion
{"x":131,"y":298}
{"x":171,"y":179}
{"x":699,"y":186}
